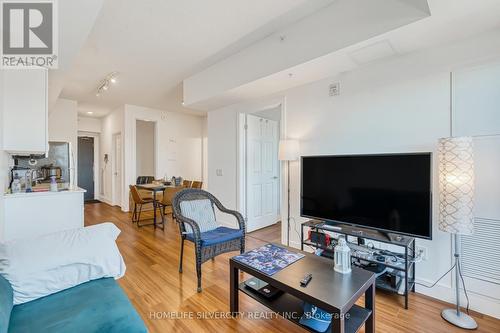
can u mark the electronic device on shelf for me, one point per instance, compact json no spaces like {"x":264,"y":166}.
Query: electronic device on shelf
{"x":262,"y":287}
{"x":319,"y":238}
{"x":360,"y":248}
{"x":369,"y":191}
{"x":331,"y":227}
{"x":395,"y":268}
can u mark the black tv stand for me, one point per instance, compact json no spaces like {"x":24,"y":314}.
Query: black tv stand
{"x":400,"y":264}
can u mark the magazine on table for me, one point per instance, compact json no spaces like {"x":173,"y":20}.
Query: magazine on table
{"x":269,"y":259}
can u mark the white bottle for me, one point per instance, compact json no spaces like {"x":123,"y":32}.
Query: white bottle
{"x":53,"y":184}
{"x":16,"y":184}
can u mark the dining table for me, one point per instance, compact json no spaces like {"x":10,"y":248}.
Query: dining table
{"x":155,"y":188}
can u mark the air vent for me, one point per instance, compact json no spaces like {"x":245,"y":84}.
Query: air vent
{"x":481,"y":253}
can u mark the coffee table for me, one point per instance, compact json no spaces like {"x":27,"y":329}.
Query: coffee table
{"x":331,"y":291}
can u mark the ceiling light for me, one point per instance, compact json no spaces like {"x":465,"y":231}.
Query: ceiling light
{"x":90,"y":112}
{"x":111,"y":78}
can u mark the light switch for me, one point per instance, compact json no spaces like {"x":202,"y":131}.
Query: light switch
{"x":218,"y":172}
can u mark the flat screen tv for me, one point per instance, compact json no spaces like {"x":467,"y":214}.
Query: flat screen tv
{"x":390,"y":193}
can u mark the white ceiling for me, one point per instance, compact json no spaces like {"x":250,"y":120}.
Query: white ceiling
{"x":76,"y":19}
{"x":450,"y":21}
{"x":155,"y":44}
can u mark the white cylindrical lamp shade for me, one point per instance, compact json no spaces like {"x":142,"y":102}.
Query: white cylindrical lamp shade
{"x":288,"y":150}
{"x":456,"y":185}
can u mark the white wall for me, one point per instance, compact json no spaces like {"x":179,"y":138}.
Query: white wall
{"x":398,"y":106}
{"x":204,"y":135}
{"x":4,"y":169}
{"x":145,"y":148}
{"x":63,"y":122}
{"x":63,"y":126}
{"x":179,"y":148}
{"x":222,"y":154}
{"x":178,"y":152}
{"x":87,"y":124}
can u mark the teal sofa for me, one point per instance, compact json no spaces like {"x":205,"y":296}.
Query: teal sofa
{"x":95,"y":306}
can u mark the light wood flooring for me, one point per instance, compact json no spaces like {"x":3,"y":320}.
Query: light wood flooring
{"x":168,"y":301}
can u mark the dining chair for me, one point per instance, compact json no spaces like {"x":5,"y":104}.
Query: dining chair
{"x":166,"y":202}
{"x":194,"y":210}
{"x":187,"y":183}
{"x":144,"y":180}
{"x":197,"y":184}
{"x":139,"y":201}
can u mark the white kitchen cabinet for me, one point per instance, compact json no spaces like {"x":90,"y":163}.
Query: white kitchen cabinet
{"x":28,"y":215}
{"x":25,"y":111}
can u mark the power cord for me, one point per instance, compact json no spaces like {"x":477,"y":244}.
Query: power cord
{"x":463,"y":284}
{"x":434,"y":284}
{"x":292,"y":219}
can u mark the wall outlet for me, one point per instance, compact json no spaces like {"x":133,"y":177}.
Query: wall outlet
{"x":218,"y":172}
{"x":334,"y":89}
{"x":421,"y":251}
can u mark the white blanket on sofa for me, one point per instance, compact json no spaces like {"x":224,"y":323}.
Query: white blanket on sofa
{"x":45,"y":265}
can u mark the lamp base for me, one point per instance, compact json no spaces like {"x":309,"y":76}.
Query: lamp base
{"x":461,"y":320}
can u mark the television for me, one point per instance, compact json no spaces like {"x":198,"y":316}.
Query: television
{"x":390,"y":193}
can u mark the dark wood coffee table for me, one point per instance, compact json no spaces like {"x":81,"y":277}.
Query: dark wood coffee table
{"x":333,"y":292}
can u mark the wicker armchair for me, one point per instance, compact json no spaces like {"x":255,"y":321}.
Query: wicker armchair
{"x":211,"y":243}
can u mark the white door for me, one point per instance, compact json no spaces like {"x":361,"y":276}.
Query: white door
{"x":117,"y":170}
{"x":262,"y":172}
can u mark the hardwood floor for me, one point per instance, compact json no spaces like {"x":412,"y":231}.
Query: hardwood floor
{"x":168,"y":301}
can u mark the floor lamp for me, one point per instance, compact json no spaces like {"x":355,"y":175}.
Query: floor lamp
{"x":288,"y":151}
{"x":456,"y":206}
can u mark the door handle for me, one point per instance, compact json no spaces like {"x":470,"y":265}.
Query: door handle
{"x":275,"y":177}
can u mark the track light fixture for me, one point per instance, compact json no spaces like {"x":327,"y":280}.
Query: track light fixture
{"x":104,"y":85}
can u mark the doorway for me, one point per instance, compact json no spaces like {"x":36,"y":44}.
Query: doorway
{"x":86,"y":166}
{"x":145,"y":148}
{"x":262,"y":168}
{"x":117,"y":169}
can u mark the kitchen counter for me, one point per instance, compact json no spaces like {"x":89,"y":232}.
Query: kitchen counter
{"x":27,"y":215}
{"x":70,"y":190}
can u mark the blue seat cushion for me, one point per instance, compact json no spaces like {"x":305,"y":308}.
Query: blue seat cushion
{"x":217,"y":236}
{"x":6,"y":304}
{"x":96,"y":306}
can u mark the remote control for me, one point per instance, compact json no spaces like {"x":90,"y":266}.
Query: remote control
{"x":305,"y":280}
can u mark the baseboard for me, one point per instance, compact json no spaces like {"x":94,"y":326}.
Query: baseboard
{"x":479,"y":303}
{"x":105,"y":200}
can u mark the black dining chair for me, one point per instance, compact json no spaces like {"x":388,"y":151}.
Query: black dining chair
{"x":141,"y":180}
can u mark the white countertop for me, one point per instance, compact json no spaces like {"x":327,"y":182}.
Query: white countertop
{"x":70,"y":190}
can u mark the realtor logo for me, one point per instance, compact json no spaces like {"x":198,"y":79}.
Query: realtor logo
{"x":29,"y":33}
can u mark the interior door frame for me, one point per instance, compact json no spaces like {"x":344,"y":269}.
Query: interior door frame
{"x":97,"y":178}
{"x":241,"y":172}
{"x":114,"y":200}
